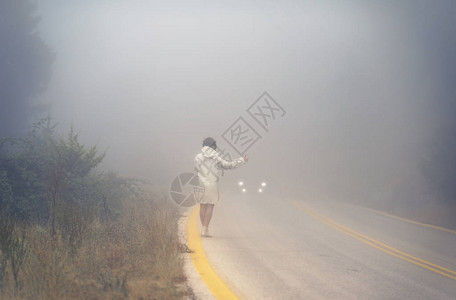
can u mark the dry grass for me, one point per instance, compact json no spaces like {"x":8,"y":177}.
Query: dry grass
{"x":134,"y":257}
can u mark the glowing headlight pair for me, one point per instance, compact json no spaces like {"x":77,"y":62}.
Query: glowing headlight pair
{"x":260,"y":190}
{"x":241,"y":183}
{"x":263,"y":184}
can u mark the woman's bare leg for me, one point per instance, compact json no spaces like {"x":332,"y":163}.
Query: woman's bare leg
{"x":203,"y":208}
{"x":208,"y":214}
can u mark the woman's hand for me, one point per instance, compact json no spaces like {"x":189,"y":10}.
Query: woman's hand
{"x":246,"y":159}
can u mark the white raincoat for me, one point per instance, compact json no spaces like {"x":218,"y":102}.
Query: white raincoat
{"x":209,"y":166}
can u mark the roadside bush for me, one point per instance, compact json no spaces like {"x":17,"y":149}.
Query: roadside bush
{"x":42,"y":175}
{"x":68,"y":232}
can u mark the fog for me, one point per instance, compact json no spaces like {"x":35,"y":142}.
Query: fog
{"x":366,"y":86}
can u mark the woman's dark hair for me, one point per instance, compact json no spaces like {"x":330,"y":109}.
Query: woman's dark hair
{"x":210,"y":142}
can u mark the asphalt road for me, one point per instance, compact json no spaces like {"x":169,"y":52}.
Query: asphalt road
{"x":269,"y":248}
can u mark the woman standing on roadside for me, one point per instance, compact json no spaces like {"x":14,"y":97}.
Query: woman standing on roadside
{"x":209,"y":165}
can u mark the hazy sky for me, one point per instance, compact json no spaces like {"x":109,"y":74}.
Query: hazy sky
{"x":363,"y":83}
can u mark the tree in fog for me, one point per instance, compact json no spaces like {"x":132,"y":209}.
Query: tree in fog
{"x":25,"y":65}
{"x":439,"y":163}
{"x":439,"y":167}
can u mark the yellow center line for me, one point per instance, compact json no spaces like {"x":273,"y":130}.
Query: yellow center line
{"x":377,"y":244}
{"x":215,"y":284}
{"x":386,"y":246}
{"x":411,"y":221}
